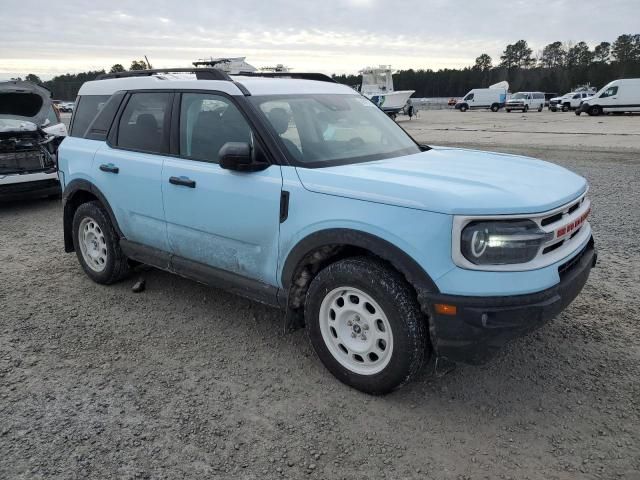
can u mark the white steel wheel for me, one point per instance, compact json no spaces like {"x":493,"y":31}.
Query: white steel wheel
{"x":356,"y":330}
{"x":93,"y":245}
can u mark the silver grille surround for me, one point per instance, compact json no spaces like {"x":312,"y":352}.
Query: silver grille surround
{"x":571,"y":242}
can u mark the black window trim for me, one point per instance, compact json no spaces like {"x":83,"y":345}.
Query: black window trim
{"x":112,"y":137}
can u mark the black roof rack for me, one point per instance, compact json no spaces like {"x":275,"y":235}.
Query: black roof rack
{"x":201,"y":73}
{"x":319,"y":77}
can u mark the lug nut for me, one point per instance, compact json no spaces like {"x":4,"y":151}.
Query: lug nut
{"x":363,"y":336}
{"x":366,"y":327}
{"x":353,"y":334}
{"x":349,"y":323}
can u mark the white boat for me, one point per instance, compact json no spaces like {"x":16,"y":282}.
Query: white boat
{"x":231,"y":65}
{"x":377,"y":85}
{"x":279,"y":68}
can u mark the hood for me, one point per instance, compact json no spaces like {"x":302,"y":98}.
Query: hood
{"x":453,"y":181}
{"x":24,"y":101}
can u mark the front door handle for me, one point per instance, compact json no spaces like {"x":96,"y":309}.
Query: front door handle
{"x":184,"y":181}
{"x":109,"y":167}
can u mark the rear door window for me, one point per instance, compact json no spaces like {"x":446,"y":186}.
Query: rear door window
{"x":86,"y":109}
{"x":143,"y":125}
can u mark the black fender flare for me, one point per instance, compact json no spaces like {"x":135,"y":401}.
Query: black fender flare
{"x":406,"y":265}
{"x":71,"y":190}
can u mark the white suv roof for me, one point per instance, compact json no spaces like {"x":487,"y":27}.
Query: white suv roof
{"x":255,"y":85}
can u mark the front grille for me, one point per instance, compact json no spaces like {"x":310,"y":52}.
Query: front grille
{"x":22,"y":161}
{"x":553,"y":247}
{"x":551,"y":219}
{"x":556,"y":217}
{"x":566,"y":229}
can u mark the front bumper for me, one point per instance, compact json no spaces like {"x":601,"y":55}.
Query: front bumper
{"x":482,"y":325}
{"x":30,"y":189}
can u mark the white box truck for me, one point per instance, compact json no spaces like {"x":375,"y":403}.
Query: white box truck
{"x":492,"y":98}
{"x":619,"y":96}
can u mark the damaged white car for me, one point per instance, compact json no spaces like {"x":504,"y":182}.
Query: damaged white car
{"x":30,"y":133}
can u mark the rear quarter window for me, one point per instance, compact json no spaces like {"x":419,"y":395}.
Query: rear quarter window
{"x":87,"y":107}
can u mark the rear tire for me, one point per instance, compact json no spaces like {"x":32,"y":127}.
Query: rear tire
{"x":508,"y":110}
{"x":364,"y":322}
{"x":97,"y":245}
{"x":540,"y":108}
{"x":495,"y":107}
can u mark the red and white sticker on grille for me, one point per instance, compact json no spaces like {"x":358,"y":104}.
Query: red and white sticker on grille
{"x":574,"y":225}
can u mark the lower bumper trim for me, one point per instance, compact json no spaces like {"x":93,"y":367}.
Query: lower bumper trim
{"x":483,"y":325}
{"x":38,"y":188}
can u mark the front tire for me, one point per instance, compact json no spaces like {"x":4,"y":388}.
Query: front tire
{"x":97,"y":246}
{"x":525,"y":109}
{"x":365,"y":324}
{"x":565,"y":107}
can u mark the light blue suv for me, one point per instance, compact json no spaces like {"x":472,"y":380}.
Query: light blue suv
{"x":300,"y":193}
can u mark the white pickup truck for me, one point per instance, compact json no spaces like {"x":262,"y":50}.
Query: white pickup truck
{"x":569,"y":101}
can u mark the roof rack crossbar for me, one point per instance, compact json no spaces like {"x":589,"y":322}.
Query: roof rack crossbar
{"x":319,"y":77}
{"x":201,"y":73}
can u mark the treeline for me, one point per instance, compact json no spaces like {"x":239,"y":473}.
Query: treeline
{"x":558,"y":68}
{"x":65,"y":87}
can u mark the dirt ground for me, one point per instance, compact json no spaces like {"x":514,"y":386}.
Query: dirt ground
{"x":185,"y":381}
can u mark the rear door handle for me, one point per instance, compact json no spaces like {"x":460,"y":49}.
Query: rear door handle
{"x":109,"y":167}
{"x":184,"y":181}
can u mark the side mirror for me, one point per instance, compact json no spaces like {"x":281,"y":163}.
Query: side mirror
{"x":238,"y":156}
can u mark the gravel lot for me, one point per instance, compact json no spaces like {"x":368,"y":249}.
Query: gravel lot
{"x":184,"y":381}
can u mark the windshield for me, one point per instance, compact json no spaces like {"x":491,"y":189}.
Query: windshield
{"x":328,"y":129}
{"x":519,"y":96}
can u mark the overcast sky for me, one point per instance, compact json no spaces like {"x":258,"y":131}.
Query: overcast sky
{"x":330,"y":36}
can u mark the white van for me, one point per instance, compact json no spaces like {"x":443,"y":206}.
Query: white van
{"x":525,"y":101}
{"x":619,"y":96}
{"x":483,"y":98}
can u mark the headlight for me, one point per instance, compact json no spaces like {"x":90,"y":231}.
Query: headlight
{"x":501,"y":242}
